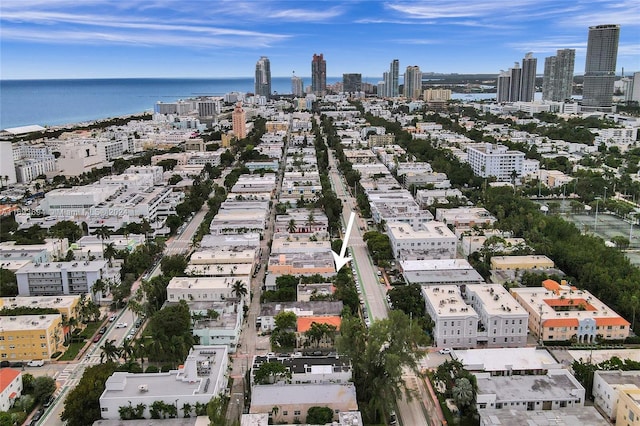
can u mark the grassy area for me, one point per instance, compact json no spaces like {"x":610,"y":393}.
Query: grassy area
{"x":90,"y":329}
{"x":72,"y":351}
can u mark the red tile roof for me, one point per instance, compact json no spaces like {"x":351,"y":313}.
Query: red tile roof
{"x":304,"y":323}
{"x":7,"y":375}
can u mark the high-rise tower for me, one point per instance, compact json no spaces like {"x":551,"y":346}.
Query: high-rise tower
{"x":600,"y":67}
{"x":412,"y":82}
{"x":239,"y":121}
{"x":528,"y":82}
{"x":394,"y":73}
{"x":557,"y":84}
{"x":297,"y":87}
{"x":318,"y":75}
{"x":263,"y":77}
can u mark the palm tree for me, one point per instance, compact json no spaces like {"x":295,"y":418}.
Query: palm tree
{"x":186,"y":409}
{"x":98,"y":288}
{"x":292,"y":226}
{"x":463,"y":392}
{"x":109,"y":351}
{"x":310,"y":220}
{"x":110,"y":252}
{"x":239,"y":289}
{"x":126,"y":350}
{"x":104,"y":233}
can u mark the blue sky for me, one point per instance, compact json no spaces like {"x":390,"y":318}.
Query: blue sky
{"x":168,"y":38}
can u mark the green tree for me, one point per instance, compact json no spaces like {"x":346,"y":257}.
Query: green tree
{"x":175,"y":179}
{"x":110,"y":252}
{"x":271,"y":372}
{"x":8,"y":283}
{"x":66,"y":229}
{"x":319,"y":415}
{"x":82,"y":405}
{"x":110,"y":351}
{"x":216,"y":410}
{"x":174,"y":265}
{"x":379,"y":354}
{"x":286,"y":320}
{"x":239,"y":289}
{"x":463,"y":394}
{"x":43,"y":388}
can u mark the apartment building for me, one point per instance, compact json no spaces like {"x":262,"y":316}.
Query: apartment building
{"x":465,"y":217}
{"x":203,"y":289}
{"x":28,"y":337}
{"x":628,"y":407}
{"x":68,"y":306}
{"x":502,"y":322}
{"x":564,"y":313}
{"x":56,"y":279}
{"x":202,"y":376}
{"x":308,"y":369}
{"x":432,"y":240}
{"x":493,"y":160}
{"x":607,"y":386}
{"x":455,"y":323}
{"x":10,"y":387}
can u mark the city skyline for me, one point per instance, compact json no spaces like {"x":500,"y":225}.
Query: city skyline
{"x":107,"y":39}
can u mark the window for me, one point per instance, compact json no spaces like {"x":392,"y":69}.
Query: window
{"x":104,"y":409}
{"x":42,"y":336}
{"x":296,"y":413}
{"x":285,"y":413}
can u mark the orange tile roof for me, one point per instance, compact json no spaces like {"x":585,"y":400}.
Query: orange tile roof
{"x":304,"y":323}
{"x":560,"y":322}
{"x":570,"y":302}
{"x":612,"y":321}
{"x":551,"y":285}
{"x":7,"y":375}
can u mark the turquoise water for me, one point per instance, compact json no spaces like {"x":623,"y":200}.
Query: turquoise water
{"x":55,"y":102}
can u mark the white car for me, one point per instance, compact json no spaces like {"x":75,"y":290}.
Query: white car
{"x":121,"y":325}
{"x":445,"y":351}
{"x":35,"y":363}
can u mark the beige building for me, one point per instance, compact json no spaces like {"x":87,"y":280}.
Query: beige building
{"x":628,"y":408}
{"x":562,"y":313}
{"x":239,"y":122}
{"x":511,"y":263}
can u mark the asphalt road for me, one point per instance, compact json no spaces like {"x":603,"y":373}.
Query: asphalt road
{"x":410,"y":412}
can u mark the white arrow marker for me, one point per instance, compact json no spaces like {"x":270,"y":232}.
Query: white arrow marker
{"x":339,"y":258}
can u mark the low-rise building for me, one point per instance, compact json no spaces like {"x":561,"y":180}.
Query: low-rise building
{"x":294,"y":401}
{"x":308,"y":369}
{"x":10,"y":387}
{"x":202,"y":289}
{"x":59,"y":278}
{"x":522,"y":263}
{"x":268,"y":311}
{"x":68,"y":306}
{"x":440,"y":272}
{"x":555,"y":390}
{"x":28,"y":337}
{"x":432,"y":240}
{"x":455,"y":323}
{"x":203,"y":376}
{"x":628,"y":407}
{"x":507,"y":361}
{"x":465,"y":217}
{"x":502,"y":322}
{"x":607,"y":386}
{"x":563,"y":313}
{"x":578,"y":415}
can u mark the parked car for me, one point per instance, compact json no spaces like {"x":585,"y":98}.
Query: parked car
{"x":49,"y":401}
{"x":5,"y":364}
{"x":35,"y":363}
{"x":97,"y":338}
{"x":445,"y":351}
{"x":102,"y":330}
{"x":112,"y":318}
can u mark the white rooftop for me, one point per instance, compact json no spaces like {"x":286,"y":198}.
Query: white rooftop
{"x":501,"y":359}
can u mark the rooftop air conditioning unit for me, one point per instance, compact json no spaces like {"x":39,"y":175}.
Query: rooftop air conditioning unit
{"x":143,"y":388}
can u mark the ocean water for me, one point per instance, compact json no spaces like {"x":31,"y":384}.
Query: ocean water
{"x":56,"y":102}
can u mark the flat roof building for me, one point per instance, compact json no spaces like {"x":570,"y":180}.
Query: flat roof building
{"x":554,"y":390}
{"x":511,"y":263}
{"x":607,"y":386}
{"x":439,"y":272}
{"x":29,"y":337}
{"x":432,"y":240}
{"x":203,"y":376}
{"x":507,"y":361}
{"x":502,"y":321}
{"x":563,"y":313}
{"x":455,"y":323}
